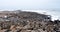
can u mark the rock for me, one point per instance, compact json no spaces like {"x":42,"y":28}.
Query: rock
{"x":27,"y":22}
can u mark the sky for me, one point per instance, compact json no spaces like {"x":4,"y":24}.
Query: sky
{"x":30,"y":4}
{"x":52,"y":6}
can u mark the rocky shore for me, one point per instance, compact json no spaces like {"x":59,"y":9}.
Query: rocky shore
{"x":27,"y":22}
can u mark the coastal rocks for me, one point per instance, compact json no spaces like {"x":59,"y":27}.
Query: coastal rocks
{"x":28,"y":22}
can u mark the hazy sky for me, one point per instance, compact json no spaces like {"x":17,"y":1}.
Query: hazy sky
{"x":51,"y":5}
{"x":30,"y":4}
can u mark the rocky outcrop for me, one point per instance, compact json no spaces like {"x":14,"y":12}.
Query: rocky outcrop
{"x":28,"y":22}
